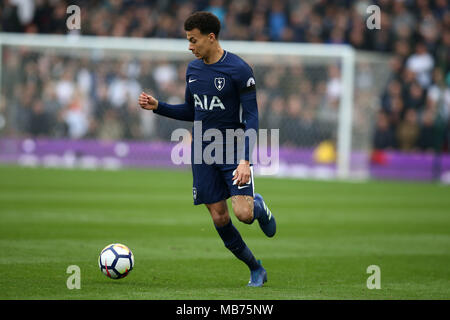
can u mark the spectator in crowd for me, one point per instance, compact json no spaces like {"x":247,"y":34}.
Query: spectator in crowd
{"x":76,"y":118}
{"x":76,"y":95}
{"x":408,"y":131}
{"x":415,"y":97}
{"x":309,"y":129}
{"x":396,"y":112}
{"x":277,"y":115}
{"x":39,"y":120}
{"x":438,"y":95}
{"x":65,"y":88}
{"x":421,"y":63}
{"x":217,"y":7}
{"x":384,"y":137}
{"x":130,"y":116}
{"x":10,"y":17}
{"x":263,"y":112}
{"x":428,"y":135}
{"x":111,"y":128}
{"x":277,"y":20}
{"x":291,"y":121}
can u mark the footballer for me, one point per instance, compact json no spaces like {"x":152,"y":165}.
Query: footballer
{"x":221,"y":93}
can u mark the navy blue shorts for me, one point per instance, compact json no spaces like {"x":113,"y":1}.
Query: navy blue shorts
{"x":213,"y":183}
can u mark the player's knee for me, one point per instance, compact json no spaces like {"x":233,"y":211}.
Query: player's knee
{"x":244,"y":214}
{"x":220,"y":219}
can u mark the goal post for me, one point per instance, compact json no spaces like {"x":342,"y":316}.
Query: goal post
{"x":295,"y":81}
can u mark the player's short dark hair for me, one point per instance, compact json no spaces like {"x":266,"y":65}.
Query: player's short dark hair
{"x":204,"y":21}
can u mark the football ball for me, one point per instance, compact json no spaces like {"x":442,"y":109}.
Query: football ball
{"x":116,"y":261}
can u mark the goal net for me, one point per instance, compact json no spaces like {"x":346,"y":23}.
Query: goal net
{"x":72,"y":101}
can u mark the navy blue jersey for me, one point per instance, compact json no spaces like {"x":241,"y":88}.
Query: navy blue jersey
{"x":214,"y":91}
{"x":221,"y":95}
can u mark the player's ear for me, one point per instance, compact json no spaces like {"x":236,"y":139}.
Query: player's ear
{"x":212,"y":37}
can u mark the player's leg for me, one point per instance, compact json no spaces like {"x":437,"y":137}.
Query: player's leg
{"x":230,"y":235}
{"x":248,"y":209}
{"x":211,"y":189}
{"x":219,"y":213}
{"x":249,"y":206}
{"x":243,"y":208}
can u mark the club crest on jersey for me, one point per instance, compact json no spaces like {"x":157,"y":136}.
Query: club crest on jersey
{"x":219,"y":83}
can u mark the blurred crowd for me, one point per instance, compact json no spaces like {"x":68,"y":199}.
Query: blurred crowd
{"x":82,"y":97}
{"x":50,"y":94}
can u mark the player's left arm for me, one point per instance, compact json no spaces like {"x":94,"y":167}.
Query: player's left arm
{"x":247,"y":93}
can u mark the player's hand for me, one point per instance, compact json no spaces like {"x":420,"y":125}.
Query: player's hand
{"x":147,"y":102}
{"x":242,"y":173}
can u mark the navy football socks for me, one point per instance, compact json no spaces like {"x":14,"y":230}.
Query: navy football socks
{"x":233,"y":242}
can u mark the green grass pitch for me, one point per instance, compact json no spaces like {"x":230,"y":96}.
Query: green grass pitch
{"x":328,"y":234}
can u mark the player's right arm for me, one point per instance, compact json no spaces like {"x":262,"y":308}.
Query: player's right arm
{"x":184,"y":111}
{"x":147,"y":102}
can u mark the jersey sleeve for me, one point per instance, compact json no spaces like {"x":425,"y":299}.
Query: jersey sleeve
{"x":246,"y":85}
{"x":245,"y":80}
{"x":184,"y":111}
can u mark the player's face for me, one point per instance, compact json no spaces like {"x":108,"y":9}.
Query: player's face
{"x":199,"y":44}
